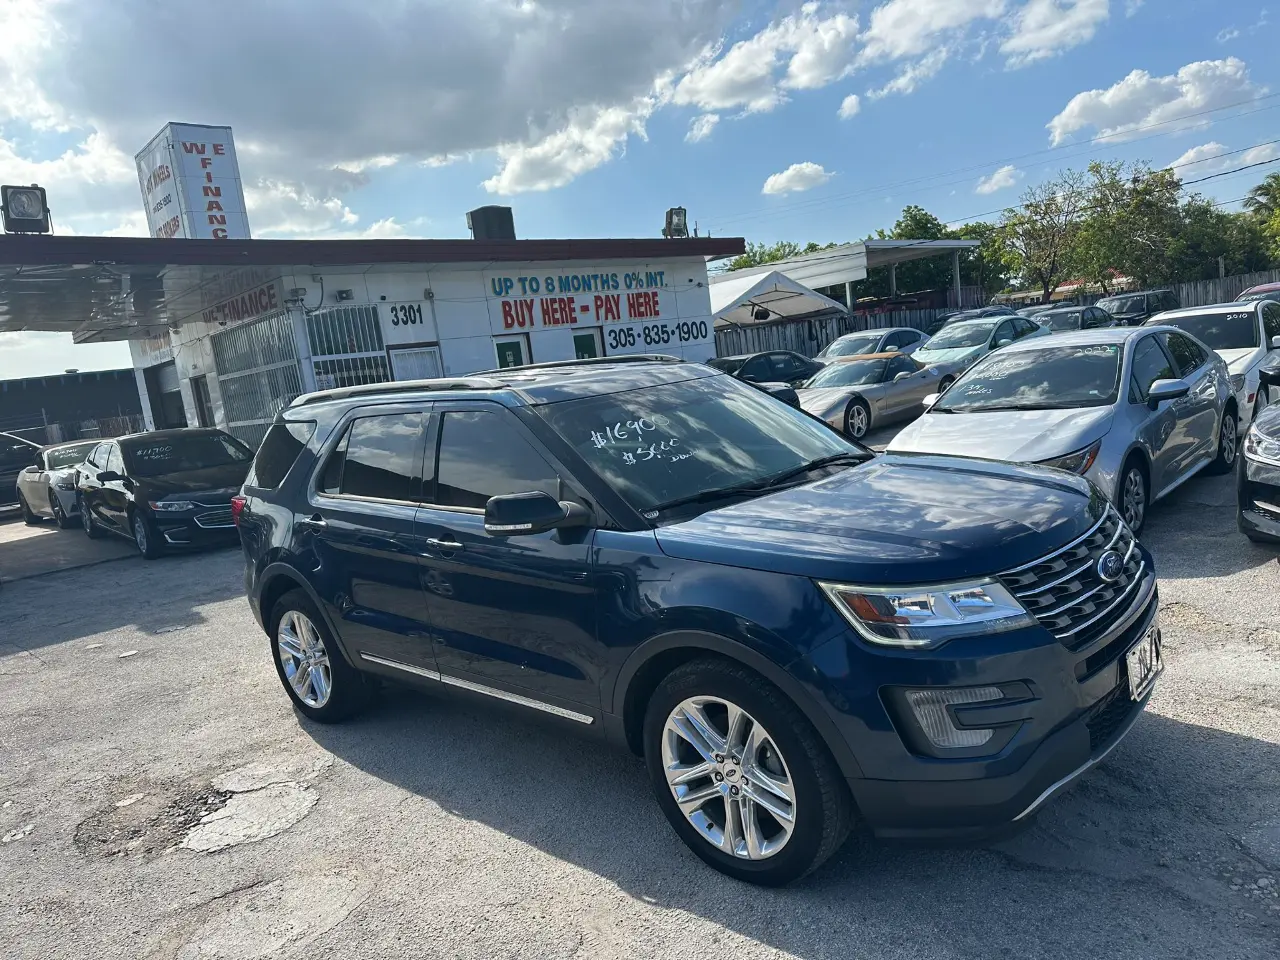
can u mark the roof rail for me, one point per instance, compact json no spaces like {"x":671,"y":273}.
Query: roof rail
{"x":400,"y":386}
{"x":585,"y":362}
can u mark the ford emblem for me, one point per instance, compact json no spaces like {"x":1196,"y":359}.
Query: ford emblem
{"x":1110,"y":566}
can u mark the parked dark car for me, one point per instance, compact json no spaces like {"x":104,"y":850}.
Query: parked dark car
{"x":16,"y":454}
{"x":778,"y":366}
{"x":791,"y":631}
{"x":1062,"y":319}
{"x":996,"y":310}
{"x":1135,"y":309}
{"x":1258,"y":513}
{"x":164,"y":489}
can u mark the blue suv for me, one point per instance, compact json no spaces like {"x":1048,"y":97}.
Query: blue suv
{"x":797,"y":635}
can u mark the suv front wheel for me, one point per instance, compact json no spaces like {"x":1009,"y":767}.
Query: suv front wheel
{"x":741,"y":774}
{"x":315,"y":676}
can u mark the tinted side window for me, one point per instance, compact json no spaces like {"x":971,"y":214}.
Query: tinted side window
{"x":383,"y":458}
{"x":1170,"y":300}
{"x":899,"y":365}
{"x":485,"y":454}
{"x":1003,"y":332}
{"x":787,"y":365}
{"x":757,"y":368}
{"x":1271,"y":321}
{"x":114,"y":460}
{"x":279,"y":451}
{"x":1149,"y":365}
{"x":331,"y":480}
{"x":896,"y":340}
{"x":1186,"y":354}
{"x":98,"y":457}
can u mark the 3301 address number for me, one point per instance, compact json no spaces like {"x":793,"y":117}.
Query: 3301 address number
{"x":405,"y":314}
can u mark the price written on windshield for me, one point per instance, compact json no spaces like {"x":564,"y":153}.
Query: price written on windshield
{"x":636,"y":441}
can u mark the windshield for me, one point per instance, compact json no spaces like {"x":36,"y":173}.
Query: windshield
{"x":1115,"y":305}
{"x":852,"y":347}
{"x":153,"y":457}
{"x":1061,"y":321}
{"x":964,"y":335}
{"x":660,"y":444}
{"x":849,"y":373}
{"x":1252,"y":297}
{"x":1050,"y":378}
{"x":1237,"y":330}
{"x":68,"y":456}
{"x":727,"y":364}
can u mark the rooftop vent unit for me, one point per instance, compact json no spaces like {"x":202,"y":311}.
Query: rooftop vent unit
{"x":491,"y":223}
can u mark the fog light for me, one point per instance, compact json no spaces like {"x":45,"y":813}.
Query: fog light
{"x":930,"y":708}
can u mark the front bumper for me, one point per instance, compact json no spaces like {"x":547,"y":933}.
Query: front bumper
{"x":207,"y":525}
{"x":1258,"y":499}
{"x":1080,"y":708}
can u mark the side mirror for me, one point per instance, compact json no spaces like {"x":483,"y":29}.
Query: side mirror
{"x":1163,"y":390}
{"x":931,"y":399}
{"x":525,"y":514}
{"x":1003,"y":343}
{"x":1269,"y":376}
{"x":1275,"y":343}
{"x":109,"y":476}
{"x":902,"y":375}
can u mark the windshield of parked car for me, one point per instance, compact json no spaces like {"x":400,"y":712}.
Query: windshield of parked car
{"x":1049,"y":378}
{"x":849,"y":373}
{"x":1116,"y":305}
{"x":68,"y":456}
{"x":727,"y":364}
{"x":661,"y":444}
{"x":1237,"y":330}
{"x":156,"y":456}
{"x":852,"y":346}
{"x":961,"y":335}
{"x":1060,"y":321}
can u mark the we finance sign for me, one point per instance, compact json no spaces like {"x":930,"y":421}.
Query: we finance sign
{"x":190,"y":181}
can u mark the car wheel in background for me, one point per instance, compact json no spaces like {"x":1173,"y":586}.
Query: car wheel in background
{"x":86,"y":520}
{"x":29,"y":518}
{"x":59,"y":515}
{"x":857,"y":419}
{"x":741,"y":774}
{"x":318,"y":680}
{"x":146,"y":537}
{"x":1134,"y":494}
{"x":946,"y":383}
{"x":1228,"y":444}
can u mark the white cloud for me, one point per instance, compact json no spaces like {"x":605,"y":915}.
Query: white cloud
{"x":850,"y":106}
{"x":798,"y":52}
{"x":701,"y":126}
{"x":902,"y":29}
{"x":796,"y":178}
{"x":1047,"y":28}
{"x":1141,"y":99}
{"x":1131,"y":7}
{"x":1227,"y":34}
{"x":913,"y":74}
{"x":1208,"y":159}
{"x":1002,"y":179}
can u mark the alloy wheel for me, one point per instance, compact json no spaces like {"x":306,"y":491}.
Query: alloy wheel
{"x":304,"y":659}
{"x":1229,"y":440}
{"x":1134,"y":500}
{"x":86,"y":519}
{"x":857,"y":422}
{"x":729,"y":778}
{"x":59,"y":514}
{"x":140,"y":534}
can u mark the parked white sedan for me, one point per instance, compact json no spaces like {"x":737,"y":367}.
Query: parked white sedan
{"x":48,"y":489}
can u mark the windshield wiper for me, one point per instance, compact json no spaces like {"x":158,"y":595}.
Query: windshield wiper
{"x":758,"y":486}
{"x":804,"y":468}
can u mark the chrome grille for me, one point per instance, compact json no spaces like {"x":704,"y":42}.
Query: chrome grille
{"x":1065,"y":591}
{"x":215,"y":520}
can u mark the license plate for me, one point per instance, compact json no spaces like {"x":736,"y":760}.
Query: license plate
{"x":1144,"y":663}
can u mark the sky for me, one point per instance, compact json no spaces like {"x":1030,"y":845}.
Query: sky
{"x":768,"y":120}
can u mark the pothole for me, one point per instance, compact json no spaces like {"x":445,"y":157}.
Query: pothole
{"x":252,"y":816}
{"x":147,"y":825}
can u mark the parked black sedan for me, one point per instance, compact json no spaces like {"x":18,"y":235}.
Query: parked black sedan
{"x":1259,"y":472}
{"x":777,"y":366}
{"x":167,"y":488}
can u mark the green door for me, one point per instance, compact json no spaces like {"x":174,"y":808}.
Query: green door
{"x":510,"y":353}
{"x":585,"y":346}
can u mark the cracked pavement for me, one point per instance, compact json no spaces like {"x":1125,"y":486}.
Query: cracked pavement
{"x":457,"y":828}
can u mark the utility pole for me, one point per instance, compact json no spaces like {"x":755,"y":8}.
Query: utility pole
{"x":1222,"y":268}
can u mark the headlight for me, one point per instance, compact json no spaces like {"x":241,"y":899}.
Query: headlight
{"x":927,"y":616}
{"x":1263,"y":449}
{"x":1237,"y":382}
{"x":1078,"y":462}
{"x":172,"y":506}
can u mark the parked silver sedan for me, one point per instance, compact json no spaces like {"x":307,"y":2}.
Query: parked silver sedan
{"x":882,"y":340}
{"x":1136,"y":410}
{"x":48,"y":488}
{"x":960,"y":345}
{"x":856,"y":394}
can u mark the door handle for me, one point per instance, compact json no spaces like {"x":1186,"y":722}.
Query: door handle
{"x":315,"y":521}
{"x":443,"y":545}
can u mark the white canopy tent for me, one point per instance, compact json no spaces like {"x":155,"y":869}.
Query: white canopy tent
{"x":737,"y":298}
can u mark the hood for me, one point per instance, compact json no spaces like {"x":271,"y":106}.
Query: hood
{"x":217,"y":484}
{"x":821,"y":400}
{"x":1237,"y":361}
{"x":897,"y":520}
{"x":1019,"y":436}
{"x":928,"y":355}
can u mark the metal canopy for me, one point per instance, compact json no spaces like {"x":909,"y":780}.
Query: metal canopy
{"x":849,"y":263}
{"x":735,"y":298}
{"x":120,"y":288}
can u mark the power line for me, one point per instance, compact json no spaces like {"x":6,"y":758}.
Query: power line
{"x":1227,"y":173}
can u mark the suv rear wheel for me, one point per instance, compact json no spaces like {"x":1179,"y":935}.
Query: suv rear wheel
{"x":316,"y":678}
{"x":741,"y":774}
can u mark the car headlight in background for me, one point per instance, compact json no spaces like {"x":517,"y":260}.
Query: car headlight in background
{"x":918,"y":617}
{"x":1237,"y":382}
{"x":172,"y":506}
{"x":1260,"y":448}
{"x":1078,"y":462}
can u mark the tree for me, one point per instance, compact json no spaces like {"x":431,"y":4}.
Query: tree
{"x":986,"y":266}
{"x":1039,"y":236}
{"x":1263,"y":200}
{"x":759,"y":254}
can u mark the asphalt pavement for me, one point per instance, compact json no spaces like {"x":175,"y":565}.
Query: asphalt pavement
{"x":159,"y":798}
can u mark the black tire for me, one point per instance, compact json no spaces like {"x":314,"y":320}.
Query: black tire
{"x":1134,"y":515}
{"x":350,"y":691}
{"x":29,"y":518}
{"x":60,"y":517}
{"x":145,"y":537}
{"x":856,"y":409}
{"x":826,"y":810}
{"x":946,"y":383}
{"x":1228,"y":444}
{"x":90,"y":525}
